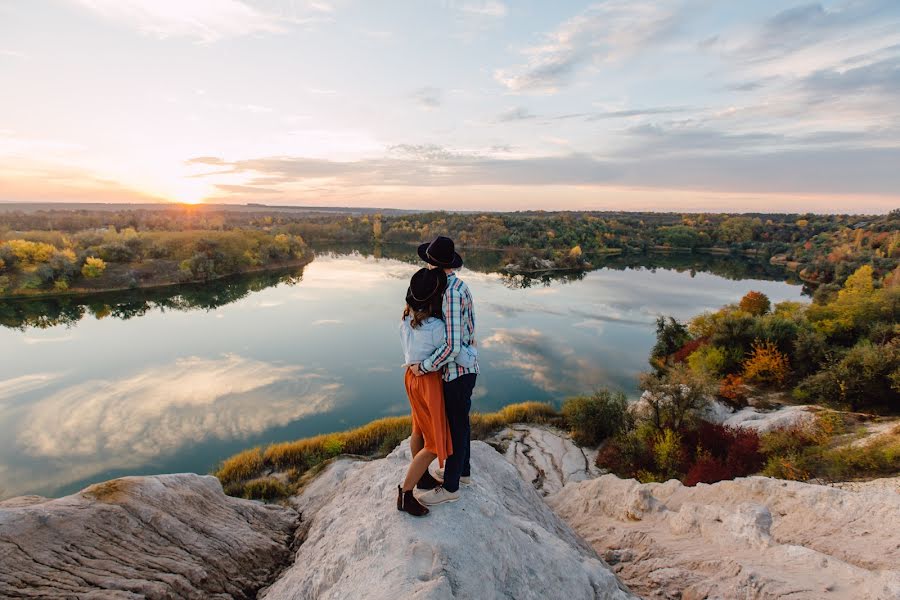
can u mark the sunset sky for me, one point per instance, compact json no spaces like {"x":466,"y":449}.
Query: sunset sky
{"x":627,"y":105}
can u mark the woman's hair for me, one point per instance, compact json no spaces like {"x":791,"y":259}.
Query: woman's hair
{"x":434,"y":309}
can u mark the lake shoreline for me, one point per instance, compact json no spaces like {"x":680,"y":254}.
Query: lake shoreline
{"x":88,"y":292}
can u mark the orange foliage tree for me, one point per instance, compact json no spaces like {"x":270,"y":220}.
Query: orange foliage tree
{"x":766,"y":364}
{"x":755,"y":303}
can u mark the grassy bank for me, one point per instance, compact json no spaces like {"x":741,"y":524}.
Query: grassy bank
{"x":281,"y":469}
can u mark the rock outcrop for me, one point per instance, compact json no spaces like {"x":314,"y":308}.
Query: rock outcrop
{"x":751,"y":538}
{"x":545,"y":457}
{"x":500,"y":540}
{"x":168,"y":536}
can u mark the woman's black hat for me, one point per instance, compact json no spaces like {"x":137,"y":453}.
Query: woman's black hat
{"x":441,"y":253}
{"x":425,"y":285}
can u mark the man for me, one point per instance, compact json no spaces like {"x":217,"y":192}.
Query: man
{"x":459,"y":381}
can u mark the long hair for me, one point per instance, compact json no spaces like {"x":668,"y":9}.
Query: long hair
{"x":434,"y":309}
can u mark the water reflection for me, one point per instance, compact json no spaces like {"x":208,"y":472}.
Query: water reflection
{"x":99,"y":424}
{"x":209,"y":370}
{"x":43,"y":313}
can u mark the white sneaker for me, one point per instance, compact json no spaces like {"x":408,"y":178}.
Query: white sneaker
{"x":437,"y":496}
{"x":439,"y":474}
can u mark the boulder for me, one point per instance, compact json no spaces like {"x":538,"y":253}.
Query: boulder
{"x":500,"y":540}
{"x":168,"y":536}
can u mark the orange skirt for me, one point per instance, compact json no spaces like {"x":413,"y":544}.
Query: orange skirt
{"x":426,"y":397}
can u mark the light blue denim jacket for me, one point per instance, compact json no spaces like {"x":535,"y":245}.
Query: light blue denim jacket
{"x":419,"y":343}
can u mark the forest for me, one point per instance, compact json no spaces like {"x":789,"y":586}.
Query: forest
{"x":53,"y":250}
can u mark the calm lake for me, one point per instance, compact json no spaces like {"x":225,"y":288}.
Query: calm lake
{"x":176,"y":380}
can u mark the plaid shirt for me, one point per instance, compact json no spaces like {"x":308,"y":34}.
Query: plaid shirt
{"x":459,"y":317}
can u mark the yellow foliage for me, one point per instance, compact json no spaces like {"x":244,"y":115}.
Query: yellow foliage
{"x":575,"y":252}
{"x":93,"y":267}
{"x":31,"y":252}
{"x":766,"y":364}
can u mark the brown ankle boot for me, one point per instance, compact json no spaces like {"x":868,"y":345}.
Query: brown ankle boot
{"x":428,"y":482}
{"x":409,"y":504}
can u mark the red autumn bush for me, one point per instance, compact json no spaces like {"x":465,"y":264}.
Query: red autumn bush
{"x":707,"y":470}
{"x":686,"y":350}
{"x":722,"y":452}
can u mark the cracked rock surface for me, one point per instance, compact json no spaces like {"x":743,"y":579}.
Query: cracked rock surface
{"x":166,"y":536}
{"x":546,"y":458}
{"x":500,"y":540}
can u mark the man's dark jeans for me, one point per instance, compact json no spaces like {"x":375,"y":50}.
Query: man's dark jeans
{"x":457,"y":403}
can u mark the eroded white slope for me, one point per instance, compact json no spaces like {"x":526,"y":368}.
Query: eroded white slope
{"x":500,"y":540}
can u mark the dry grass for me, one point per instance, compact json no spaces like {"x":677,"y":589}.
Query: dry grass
{"x":248,"y":474}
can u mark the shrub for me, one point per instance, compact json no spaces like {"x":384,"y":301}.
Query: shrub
{"x":627,"y":455}
{"x":708,"y":360}
{"x":861,"y":378}
{"x":671,"y":335}
{"x":674,"y":398}
{"x":668,"y":455}
{"x":733,"y":389}
{"x":93,"y":267}
{"x":736,"y":332}
{"x":707,"y":469}
{"x":766,"y":364}
{"x":240,"y":466}
{"x":779,"y":330}
{"x":266,"y":488}
{"x":690,"y":348}
{"x":592,"y":419}
{"x":810,"y":351}
{"x":755,"y":303}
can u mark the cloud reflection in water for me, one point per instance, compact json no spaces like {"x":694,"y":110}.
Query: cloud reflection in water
{"x":122,"y":423}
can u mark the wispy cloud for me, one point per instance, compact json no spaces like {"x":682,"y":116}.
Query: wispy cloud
{"x":486,"y":8}
{"x":603,"y":32}
{"x":203,"y":20}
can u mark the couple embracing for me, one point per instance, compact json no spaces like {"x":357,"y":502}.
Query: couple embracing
{"x":438,"y":337}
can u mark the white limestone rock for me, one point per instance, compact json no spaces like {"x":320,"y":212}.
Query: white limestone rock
{"x":751,"y":538}
{"x":162,"y":537}
{"x":545,"y":457}
{"x":764,"y":421}
{"x":500,"y":540}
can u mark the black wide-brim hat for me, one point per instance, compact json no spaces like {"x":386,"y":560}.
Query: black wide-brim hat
{"x":424,"y":286}
{"x":441,"y":253}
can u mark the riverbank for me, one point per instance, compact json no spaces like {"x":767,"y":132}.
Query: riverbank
{"x":866,"y":442}
{"x":170,"y":282}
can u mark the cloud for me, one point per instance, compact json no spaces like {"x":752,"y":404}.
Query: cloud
{"x":700,"y":158}
{"x":807,"y":25}
{"x":547,"y":364}
{"x":203,"y":20}
{"x":428,"y":97}
{"x":106,"y":424}
{"x":880,"y":78}
{"x":487,"y":8}
{"x":12,"y":388}
{"x":516,"y":113}
{"x":601,"y":33}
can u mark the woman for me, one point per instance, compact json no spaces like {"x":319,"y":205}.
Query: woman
{"x":422,"y":330}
